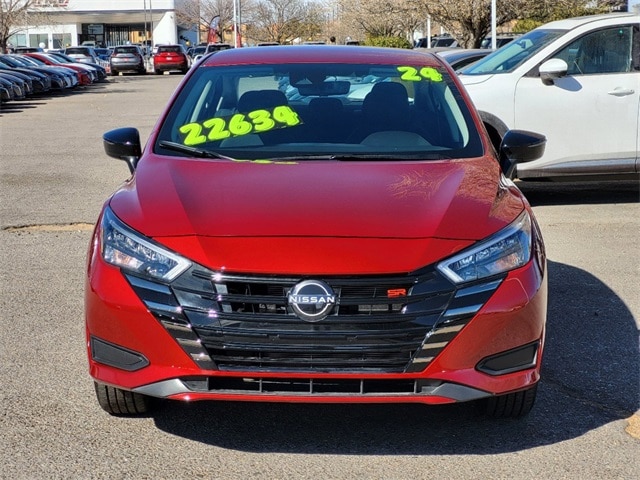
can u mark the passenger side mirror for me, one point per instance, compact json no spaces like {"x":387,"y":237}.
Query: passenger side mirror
{"x":552,"y":69}
{"x":520,"y":146}
{"x":123,"y":144}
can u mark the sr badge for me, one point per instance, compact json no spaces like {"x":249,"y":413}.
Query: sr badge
{"x":311,"y":300}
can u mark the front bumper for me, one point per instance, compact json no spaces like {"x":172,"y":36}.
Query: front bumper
{"x":165,"y":66}
{"x":160,"y":341}
{"x":127,"y":66}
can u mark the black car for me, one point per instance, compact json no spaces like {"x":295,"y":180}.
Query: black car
{"x":6,"y":90}
{"x":25,"y":84}
{"x":10,"y":88}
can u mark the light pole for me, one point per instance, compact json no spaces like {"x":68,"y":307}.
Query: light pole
{"x":493,"y":25}
{"x":145,"y":22}
{"x":151,"y":19}
{"x":240,"y":22}
{"x":237,"y":22}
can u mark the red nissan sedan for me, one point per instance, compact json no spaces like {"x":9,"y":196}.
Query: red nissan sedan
{"x":318,"y":224}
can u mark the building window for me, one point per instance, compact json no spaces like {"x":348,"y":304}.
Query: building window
{"x":18,"y":40}
{"x":35,"y":39}
{"x":61,"y":40}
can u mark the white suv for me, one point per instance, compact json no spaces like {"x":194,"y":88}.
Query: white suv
{"x":577,"y":81}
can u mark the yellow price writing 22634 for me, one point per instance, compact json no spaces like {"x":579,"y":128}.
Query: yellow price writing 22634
{"x":258,"y":121}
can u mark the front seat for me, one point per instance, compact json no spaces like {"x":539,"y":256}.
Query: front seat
{"x":385,"y":108}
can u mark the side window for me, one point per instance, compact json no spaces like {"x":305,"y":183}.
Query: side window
{"x":604,"y":51}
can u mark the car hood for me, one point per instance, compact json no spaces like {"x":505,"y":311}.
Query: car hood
{"x":473,"y":79}
{"x":420,"y":211}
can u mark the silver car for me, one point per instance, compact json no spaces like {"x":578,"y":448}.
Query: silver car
{"x":127,"y":58}
{"x":82,"y":54}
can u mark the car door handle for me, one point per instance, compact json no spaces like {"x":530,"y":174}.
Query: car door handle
{"x":621,"y":92}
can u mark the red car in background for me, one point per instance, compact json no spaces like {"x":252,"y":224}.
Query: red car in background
{"x":85,"y":75}
{"x":318,"y":224}
{"x":170,"y":57}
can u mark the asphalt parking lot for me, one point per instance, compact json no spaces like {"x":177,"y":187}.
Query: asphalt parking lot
{"x":54,"y":177}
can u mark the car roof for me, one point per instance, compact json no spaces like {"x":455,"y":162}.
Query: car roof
{"x":462,"y":52}
{"x":571,"y":23}
{"x":320,"y":54}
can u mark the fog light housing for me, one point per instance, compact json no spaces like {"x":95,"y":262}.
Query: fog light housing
{"x":520,"y":358}
{"x":117,"y":356}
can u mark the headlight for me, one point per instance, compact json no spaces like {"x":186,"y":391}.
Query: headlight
{"x":124,"y":248}
{"x":508,"y":249}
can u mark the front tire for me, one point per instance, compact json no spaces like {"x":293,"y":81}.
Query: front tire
{"x":116,"y":401}
{"x":511,"y":405}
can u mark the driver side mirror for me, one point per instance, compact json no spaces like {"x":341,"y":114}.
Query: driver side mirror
{"x":553,"y":69}
{"x":123,"y":144}
{"x":520,"y":146}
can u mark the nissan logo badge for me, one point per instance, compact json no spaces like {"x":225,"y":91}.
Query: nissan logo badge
{"x":311,"y":300}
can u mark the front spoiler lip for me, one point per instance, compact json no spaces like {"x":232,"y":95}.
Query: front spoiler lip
{"x":440,"y":392}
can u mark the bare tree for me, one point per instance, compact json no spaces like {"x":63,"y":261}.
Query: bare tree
{"x":200,"y":13}
{"x":17,"y":15}
{"x":467,"y":20}
{"x":470,"y":20}
{"x":283,"y":21}
{"x":548,"y":10}
{"x":380,"y":18}
{"x":13,"y":19}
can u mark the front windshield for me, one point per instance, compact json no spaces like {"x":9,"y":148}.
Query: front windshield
{"x":509,"y":57}
{"x":319,"y":111}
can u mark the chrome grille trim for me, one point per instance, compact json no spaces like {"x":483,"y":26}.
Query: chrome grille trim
{"x":243,"y":323}
{"x":311,"y":387}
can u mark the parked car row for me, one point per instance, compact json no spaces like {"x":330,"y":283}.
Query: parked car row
{"x":447,"y":41}
{"x":33,"y":73}
{"x":131,"y":58}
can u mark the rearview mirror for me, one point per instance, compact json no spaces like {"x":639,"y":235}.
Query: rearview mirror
{"x":323,"y":88}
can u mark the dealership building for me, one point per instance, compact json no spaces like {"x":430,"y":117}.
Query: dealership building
{"x":61,"y":23}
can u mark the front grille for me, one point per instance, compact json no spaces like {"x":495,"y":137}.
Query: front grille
{"x":380,"y":324}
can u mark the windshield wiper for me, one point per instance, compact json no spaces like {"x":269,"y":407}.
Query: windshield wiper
{"x":360,"y":157}
{"x":384,"y":157}
{"x":194,"y":152}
